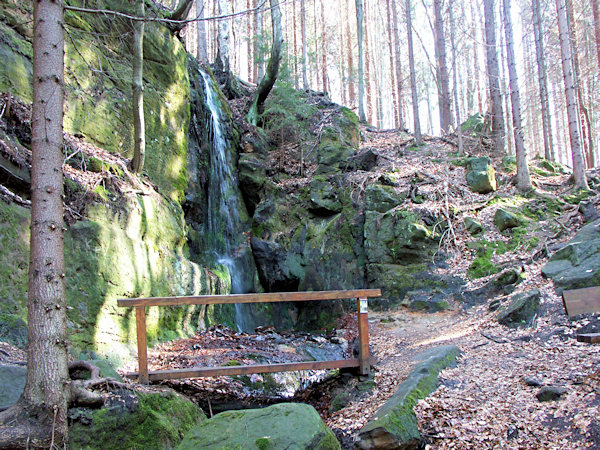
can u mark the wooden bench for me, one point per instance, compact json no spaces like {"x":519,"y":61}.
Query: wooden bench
{"x":363,"y":362}
{"x":583,"y":301}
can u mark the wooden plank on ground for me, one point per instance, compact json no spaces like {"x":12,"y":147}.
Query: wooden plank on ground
{"x":250,"y":298}
{"x":196,"y":372}
{"x":582,"y":301}
{"x":590,"y":338}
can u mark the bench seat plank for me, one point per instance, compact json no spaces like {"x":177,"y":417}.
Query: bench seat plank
{"x":582,"y":301}
{"x":590,"y":338}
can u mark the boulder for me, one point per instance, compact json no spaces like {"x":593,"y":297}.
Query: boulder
{"x":285,"y":425}
{"x":520,"y":309}
{"x":381,"y":198}
{"x":156,"y":420}
{"x":481,"y":175}
{"x":474,"y":124}
{"x":274,"y":273}
{"x":252,"y":178}
{"x":577,"y":264}
{"x":365,"y":160}
{"x":394,"y":425}
{"x":12,"y":383}
{"x":473,"y":227}
{"x":504,"y":219}
{"x":550,"y":393}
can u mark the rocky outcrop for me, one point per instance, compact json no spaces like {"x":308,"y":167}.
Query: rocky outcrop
{"x":577,"y":264}
{"x":286,"y":425}
{"x":505,"y":219}
{"x":394,"y":425}
{"x":520,"y":309}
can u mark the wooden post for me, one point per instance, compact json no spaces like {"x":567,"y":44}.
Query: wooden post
{"x":363,"y":336}
{"x":140,"y":323}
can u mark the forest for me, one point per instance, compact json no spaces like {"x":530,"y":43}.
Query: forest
{"x":192,"y":190}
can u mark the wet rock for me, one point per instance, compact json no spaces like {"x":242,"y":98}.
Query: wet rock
{"x":577,"y":264}
{"x":394,"y":425}
{"x":12,"y":382}
{"x":520,"y":310}
{"x":286,"y":425}
{"x":481,"y":175}
{"x":252,"y":173}
{"x":273,"y":271}
{"x":550,"y":393}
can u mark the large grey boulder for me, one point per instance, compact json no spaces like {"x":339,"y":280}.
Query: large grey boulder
{"x":505,"y":219}
{"x":481,"y":175}
{"x":12,"y":382}
{"x":577,"y":264}
{"x":286,"y":425}
{"x":394,"y":425}
{"x":520,"y":310}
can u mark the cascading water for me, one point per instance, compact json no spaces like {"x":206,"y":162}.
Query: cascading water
{"x":225,"y":228}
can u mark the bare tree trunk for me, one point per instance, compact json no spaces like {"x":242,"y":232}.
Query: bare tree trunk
{"x":413,"y":76}
{"x":295,"y":43}
{"x":223,"y":38}
{"x":202,"y":48}
{"x":249,"y":47}
{"x":368,"y":75}
{"x":461,"y":149}
{"x":180,"y":13}
{"x":350,"y":55}
{"x":570,"y":95}
{"x":508,"y":131}
{"x":390,"y":39}
{"x":137,"y":85}
{"x":542,"y":80}
{"x":324,"y":49}
{"x":399,"y":80}
{"x":361,"y":61}
{"x":493,"y":72}
{"x":596,"y":12}
{"x":440,"y":53}
{"x":304,"y":52}
{"x":44,"y":399}
{"x":523,"y":178}
{"x":267,"y":82}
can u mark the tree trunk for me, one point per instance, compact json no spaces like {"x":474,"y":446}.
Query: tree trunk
{"x":523,"y":178}
{"x":295,"y":43}
{"x":224,"y":27}
{"x":596,"y":12}
{"x":360,"y":15}
{"x":202,"y":48}
{"x":368,"y":76}
{"x":461,"y":149}
{"x":304,"y":52}
{"x":39,"y":419}
{"x":542,"y":80}
{"x":390,"y":39}
{"x":508,"y":131}
{"x":440,"y":53}
{"x":249,"y":42}
{"x":570,"y":95}
{"x":413,"y":77}
{"x":137,"y":85}
{"x":350,"y":55}
{"x":267,"y":82}
{"x":324,"y":77}
{"x":180,"y":13}
{"x":399,"y":79}
{"x":493,"y":72}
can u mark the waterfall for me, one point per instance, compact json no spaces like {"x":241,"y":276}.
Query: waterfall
{"x":225,"y":229}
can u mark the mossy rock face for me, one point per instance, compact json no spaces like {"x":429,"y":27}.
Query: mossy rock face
{"x":474,"y":124}
{"x":253,"y":177}
{"x":397,"y":237}
{"x":577,"y":264}
{"x":149,"y":421}
{"x":323,"y":198}
{"x":381,"y":198}
{"x":520,"y":310}
{"x":286,"y":425}
{"x":394,"y":425}
{"x":12,"y":383}
{"x":504,"y":219}
{"x":481,"y":176}
{"x":98,"y":68}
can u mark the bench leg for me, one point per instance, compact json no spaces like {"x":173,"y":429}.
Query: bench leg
{"x":363,"y":336}
{"x":140,"y":322}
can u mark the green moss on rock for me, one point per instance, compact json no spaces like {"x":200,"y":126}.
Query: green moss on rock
{"x":152,"y":421}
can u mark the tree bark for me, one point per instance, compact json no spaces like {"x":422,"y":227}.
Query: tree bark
{"x":461,"y":149}
{"x":493,"y":72}
{"x":399,"y":79}
{"x":523,"y":178}
{"x":267,"y":82}
{"x":223,"y":38}
{"x":440,"y":53}
{"x":542,"y":80}
{"x":304,"y":50}
{"x":350,"y":56}
{"x":413,"y":77}
{"x":41,"y":412}
{"x":202,"y":48}
{"x":390,"y":39}
{"x":570,"y":95}
{"x":369,"y":110}
{"x":180,"y":13}
{"x":324,"y":76}
{"x":137,"y":91}
{"x":360,"y":15}
{"x":596,"y":13}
